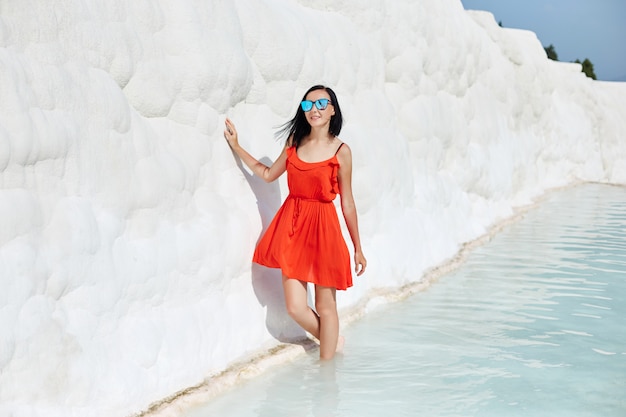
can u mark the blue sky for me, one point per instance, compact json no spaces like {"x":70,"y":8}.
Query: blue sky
{"x":594,"y":29}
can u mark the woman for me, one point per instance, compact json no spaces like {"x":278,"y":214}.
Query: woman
{"x":304,"y":239}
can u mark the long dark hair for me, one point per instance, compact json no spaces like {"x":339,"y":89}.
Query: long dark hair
{"x":298,"y":128}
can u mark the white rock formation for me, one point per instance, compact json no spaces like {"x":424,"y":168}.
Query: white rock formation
{"x":127,"y":226}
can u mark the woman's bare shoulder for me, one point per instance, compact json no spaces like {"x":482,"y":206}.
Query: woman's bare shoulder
{"x":342,"y":147}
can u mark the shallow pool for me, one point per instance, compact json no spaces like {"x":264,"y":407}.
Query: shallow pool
{"x":532,"y":324}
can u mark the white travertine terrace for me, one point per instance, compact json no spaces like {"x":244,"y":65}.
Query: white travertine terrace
{"x":127,"y":226}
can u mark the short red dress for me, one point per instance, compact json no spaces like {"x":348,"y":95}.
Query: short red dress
{"x":304,"y":239}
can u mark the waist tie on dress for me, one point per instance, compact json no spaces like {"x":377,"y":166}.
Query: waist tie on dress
{"x":297,"y":208}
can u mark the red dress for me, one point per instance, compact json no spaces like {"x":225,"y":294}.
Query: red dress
{"x":304,"y":239}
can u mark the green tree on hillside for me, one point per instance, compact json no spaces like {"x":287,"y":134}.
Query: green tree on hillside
{"x":586,"y":64}
{"x":587,"y":68}
{"x":551,"y":52}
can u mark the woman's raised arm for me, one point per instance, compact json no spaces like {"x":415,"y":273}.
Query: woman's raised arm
{"x":268,"y":174}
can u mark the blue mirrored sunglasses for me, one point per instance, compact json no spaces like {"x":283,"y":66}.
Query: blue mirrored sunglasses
{"x":321,"y":104}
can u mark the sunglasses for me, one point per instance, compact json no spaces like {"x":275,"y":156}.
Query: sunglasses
{"x":321,"y":104}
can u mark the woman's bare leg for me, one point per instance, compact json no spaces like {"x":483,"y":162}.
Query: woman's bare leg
{"x":298,"y":308}
{"x":326,"y":306}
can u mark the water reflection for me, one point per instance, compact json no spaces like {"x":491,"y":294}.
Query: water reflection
{"x":312,"y":386}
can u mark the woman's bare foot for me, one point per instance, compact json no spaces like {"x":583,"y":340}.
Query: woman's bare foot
{"x":341,"y":341}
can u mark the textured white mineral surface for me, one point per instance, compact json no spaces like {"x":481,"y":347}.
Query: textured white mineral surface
{"x":127,"y":226}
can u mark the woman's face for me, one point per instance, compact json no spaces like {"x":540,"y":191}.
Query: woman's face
{"x":315,"y":116}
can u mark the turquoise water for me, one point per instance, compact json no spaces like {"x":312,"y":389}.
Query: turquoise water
{"x":532,"y":324}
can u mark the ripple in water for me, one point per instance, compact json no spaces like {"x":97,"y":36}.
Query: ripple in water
{"x":532,"y":324}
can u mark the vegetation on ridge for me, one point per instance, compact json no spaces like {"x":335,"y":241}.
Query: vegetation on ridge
{"x":586,"y":64}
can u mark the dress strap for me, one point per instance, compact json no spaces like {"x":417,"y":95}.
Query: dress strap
{"x":339,"y":148}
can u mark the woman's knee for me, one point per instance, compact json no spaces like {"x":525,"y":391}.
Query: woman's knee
{"x":296,"y":308}
{"x":295,"y":297}
{"x":325,"y":303}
